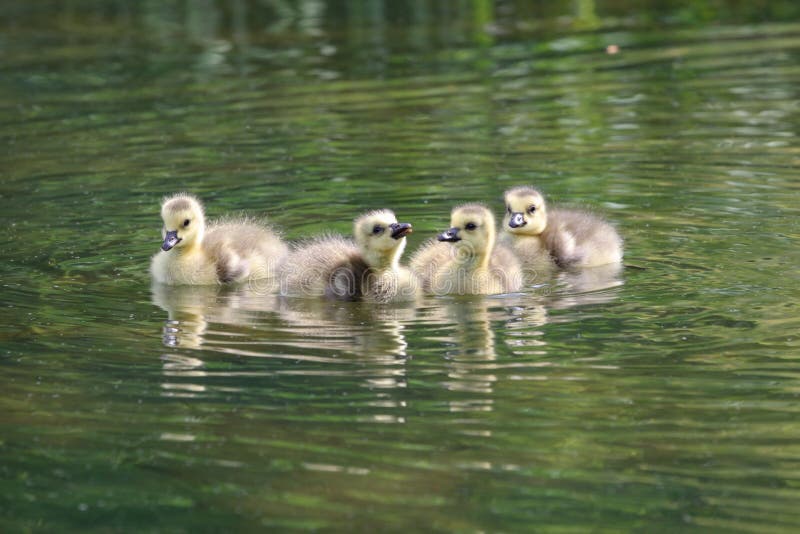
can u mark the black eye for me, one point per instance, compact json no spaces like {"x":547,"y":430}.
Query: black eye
{"x":508,"y":208}
{"x":531,"y":209}
{"x":377,"y":230}
{"x":186,"y":223}
{"x":470,"y":226}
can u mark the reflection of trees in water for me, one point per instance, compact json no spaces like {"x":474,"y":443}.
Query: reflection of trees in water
{"x":487,"y":87}
{"x":446,"y":21}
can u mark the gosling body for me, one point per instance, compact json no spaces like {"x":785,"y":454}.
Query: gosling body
{"x":226,"y":251}
{"x":364,"y":268}
{"x":465,"y":259}
{"x":542,"y":236}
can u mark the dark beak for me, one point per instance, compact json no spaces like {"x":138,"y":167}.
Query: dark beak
{"x":450,"y":235}
{"x":400,"y":230}
{"x":170,"y":240}
{"x":517,"y":220}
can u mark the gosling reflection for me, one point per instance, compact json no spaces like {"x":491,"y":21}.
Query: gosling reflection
{"x":474,"y":345}
{"x":471,"y":327}
{"x":191,"y":309}
{"x":486,"y":338}
{"x":470,"y":332}
{"x":354,"y":328}
{"x":375,"y":334}
{"x":186,"y":307}
{"x":245,"y":322}
{"x":592,"y":285}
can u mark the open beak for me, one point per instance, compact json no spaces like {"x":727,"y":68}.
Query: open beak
{"x":450,"y":235}
{"x":400,"y":230}
{"x":170,"y":240}
{"x":517,"y":220}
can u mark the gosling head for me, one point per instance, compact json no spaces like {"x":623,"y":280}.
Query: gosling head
{"x":380,"y":237}
{"x":183,"y":221}
{"x":526,"y":213}
{"x":471,"y":230}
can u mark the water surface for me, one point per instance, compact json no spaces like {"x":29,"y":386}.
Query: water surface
{"x":662,"y":397}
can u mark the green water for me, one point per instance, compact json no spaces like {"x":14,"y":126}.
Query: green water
{"x":661,"y":398}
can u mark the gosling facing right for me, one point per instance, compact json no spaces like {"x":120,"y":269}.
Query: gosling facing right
{"x":365,"y":269}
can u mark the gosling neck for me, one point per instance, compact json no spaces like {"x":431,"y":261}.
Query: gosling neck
{"x":384,"y":260}
{"x":480,"y":257}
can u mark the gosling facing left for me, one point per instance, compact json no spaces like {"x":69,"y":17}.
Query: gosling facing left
{"x":465,"y":259}
{"x":225,"y":251}
{"x":568,"y":238}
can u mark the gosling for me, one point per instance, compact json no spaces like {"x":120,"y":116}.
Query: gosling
{"x":568,"y":238}
{"x":473,"y":264}
{"x":226,"y":251}
{"x":367,"y":268}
